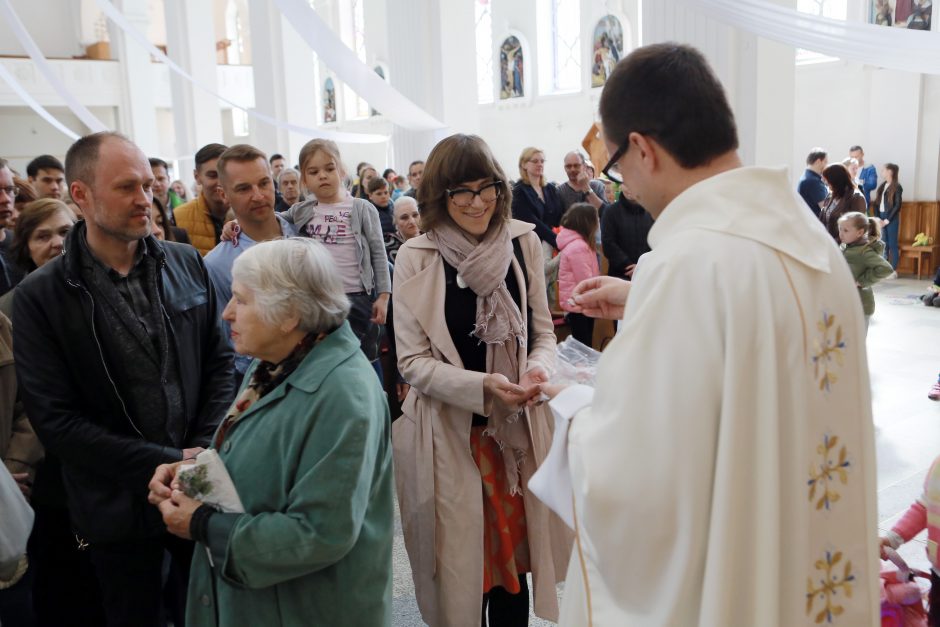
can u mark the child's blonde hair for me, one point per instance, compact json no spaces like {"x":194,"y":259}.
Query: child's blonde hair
{"x":860,"y":221}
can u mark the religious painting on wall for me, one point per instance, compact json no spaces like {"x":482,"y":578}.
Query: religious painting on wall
{"x":329,"y":101}
{"x":512,"y":69}
{"x":914,"y":14}
{"x":381,"y":72}
{"x":608,"y":49}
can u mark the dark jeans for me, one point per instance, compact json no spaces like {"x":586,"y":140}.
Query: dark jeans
{"x":360,"y":319}
{"x":582,"y":327}
{"x":65,"y":589}
{"x":934,"y":618}
{"x":504,"y":609}
{"x":131,"y":578}
{"x":16,"y":603}
{"x":891,"y":243}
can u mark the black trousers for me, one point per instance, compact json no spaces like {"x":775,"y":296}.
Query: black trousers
{"x":131,"y":577}
{"x":65,"y":589}
{"x":934,"y":619}
{"x":505,"y":609}
{"x":582,"y":328}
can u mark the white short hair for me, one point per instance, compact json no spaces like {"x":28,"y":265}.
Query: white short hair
{"x":293,"y":171}
{"x":402,"y":201}
{"x":294,"y":276}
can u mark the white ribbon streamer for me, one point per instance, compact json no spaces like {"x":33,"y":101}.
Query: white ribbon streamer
{"x":902,"y":49}
{"x":118,"y":18}
{"x":20,"y":91}
{"x":13,"y":20}
{"x":351,"y":70}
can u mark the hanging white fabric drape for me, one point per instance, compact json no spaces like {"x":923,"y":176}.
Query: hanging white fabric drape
{"x":41,"y":111}
{"x":76,"y":107}
{"x":134,"y":33}
{"x":351,"y":70}
{"x":893,"y":48}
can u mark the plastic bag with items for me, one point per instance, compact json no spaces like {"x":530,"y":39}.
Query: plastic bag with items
{"x":575,"y":363}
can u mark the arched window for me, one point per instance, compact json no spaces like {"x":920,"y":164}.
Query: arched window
{"x":484,"y":42}
{"x":559,"y":38}
{"x":834,"y":9}
{"x":607,"y":49}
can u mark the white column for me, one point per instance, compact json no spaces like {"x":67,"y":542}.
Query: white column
{"x":190,"y":43}
{"x":284,"y":80}
{"x":137,"y":114}
{"x":431,"y":54}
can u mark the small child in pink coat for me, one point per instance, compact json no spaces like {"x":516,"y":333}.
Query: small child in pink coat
{"x":924,"y":513}
{"x":578,"y":251}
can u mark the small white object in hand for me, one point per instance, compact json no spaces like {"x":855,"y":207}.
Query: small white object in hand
{"x":461,"y":283}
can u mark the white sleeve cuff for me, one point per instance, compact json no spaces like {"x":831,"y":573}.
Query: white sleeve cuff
{"x":571,"y":400}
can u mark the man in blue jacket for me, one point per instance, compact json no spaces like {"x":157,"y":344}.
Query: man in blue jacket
{"x":867,"y":175}
{"x":811,"y":186}
{"x":123,"y":365}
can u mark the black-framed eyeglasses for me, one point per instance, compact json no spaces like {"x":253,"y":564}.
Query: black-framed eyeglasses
{"x":612,"y":169}
{"x":12,"y":191}
{"x":463,"y":197}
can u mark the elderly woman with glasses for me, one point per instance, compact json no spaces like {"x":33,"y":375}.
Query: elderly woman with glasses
{"x":536,"y":201}
{"x":475,"y":340}
{"x":306,"y":444}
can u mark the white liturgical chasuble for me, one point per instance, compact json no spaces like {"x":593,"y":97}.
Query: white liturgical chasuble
{"x":723,"y":469}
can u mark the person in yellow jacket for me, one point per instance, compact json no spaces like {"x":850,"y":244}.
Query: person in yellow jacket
{"x":204,"y":217}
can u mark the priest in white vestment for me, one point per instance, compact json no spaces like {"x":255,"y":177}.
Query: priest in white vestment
{"x":723,"y":468}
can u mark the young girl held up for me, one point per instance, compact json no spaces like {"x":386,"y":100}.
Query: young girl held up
{"x":578,"y":250}
{"x":350,"y":229}
{"x":864,"y":251}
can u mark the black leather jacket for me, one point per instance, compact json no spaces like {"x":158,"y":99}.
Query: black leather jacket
{"x":76,"y":407}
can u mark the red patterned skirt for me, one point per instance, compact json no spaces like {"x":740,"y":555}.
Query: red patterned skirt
{"x":505,"y":545}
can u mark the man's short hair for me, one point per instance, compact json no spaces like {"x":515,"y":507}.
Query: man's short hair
{"x":375,"y":184}
{"x":413,"y":164}
{"x":239,"y":153}
{"x":82,"y":157}
{"x":43,"y":162}
{"x":856,"y":147}
{"x":209,"y":152}
{"x":275,"y":157}
{"x":156,"y":162}
{"x":579,"y":155}
{"x":669,"y":93}
{"x":815,"y":155}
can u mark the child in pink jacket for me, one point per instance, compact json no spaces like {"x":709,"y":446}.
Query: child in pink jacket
{"x":925,"y":512}
{"x":578,"y":251}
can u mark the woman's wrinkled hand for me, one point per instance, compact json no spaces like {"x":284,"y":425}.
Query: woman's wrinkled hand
{"x":230,"y":231}
{"x":177,"y":513}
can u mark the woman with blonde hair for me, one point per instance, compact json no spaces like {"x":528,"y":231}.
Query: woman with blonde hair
{"x":534,"y":200}
{"x":475,"y":340}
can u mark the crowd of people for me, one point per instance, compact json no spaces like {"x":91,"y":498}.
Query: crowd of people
{"x":310,"y":324}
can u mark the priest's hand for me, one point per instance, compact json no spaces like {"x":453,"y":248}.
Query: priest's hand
{"x":600,"y":297}
{"x":177,"y":513}
{"x":532,"y":381}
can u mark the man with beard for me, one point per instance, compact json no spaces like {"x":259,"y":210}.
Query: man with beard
{"x":204,"y":217}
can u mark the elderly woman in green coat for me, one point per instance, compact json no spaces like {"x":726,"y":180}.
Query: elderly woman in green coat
{"x":307,"y":447}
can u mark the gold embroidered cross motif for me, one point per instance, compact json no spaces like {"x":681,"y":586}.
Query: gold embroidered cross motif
{"x":824,"y":476}
{"x":829,"y":587}
{"x":828,"y":349}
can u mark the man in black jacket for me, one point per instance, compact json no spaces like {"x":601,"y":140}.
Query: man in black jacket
{"x":624,"y":229}
{"x":124,"y":365}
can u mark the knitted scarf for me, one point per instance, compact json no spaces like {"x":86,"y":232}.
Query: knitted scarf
{"x":482,"y":266}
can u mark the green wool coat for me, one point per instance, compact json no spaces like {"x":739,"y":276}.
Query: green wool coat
{"x":868,"y":265}
{"x":312,"y":464}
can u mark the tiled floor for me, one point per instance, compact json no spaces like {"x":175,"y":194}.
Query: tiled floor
{"x":904,"y":357}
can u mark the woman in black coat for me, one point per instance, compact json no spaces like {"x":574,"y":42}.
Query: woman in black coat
{"x":887,"y":206}
{"x":533,"y":199}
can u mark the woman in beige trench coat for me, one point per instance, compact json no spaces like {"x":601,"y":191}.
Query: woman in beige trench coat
{"x":455,"y":412}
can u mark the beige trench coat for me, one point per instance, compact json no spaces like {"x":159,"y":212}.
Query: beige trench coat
{"x":439,"y":487}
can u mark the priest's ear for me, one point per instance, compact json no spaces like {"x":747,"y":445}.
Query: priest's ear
{"x":645,"y":153}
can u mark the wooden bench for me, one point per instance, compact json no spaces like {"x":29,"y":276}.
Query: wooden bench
{"x":918,"y":217}
{"x":917,"y":254}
